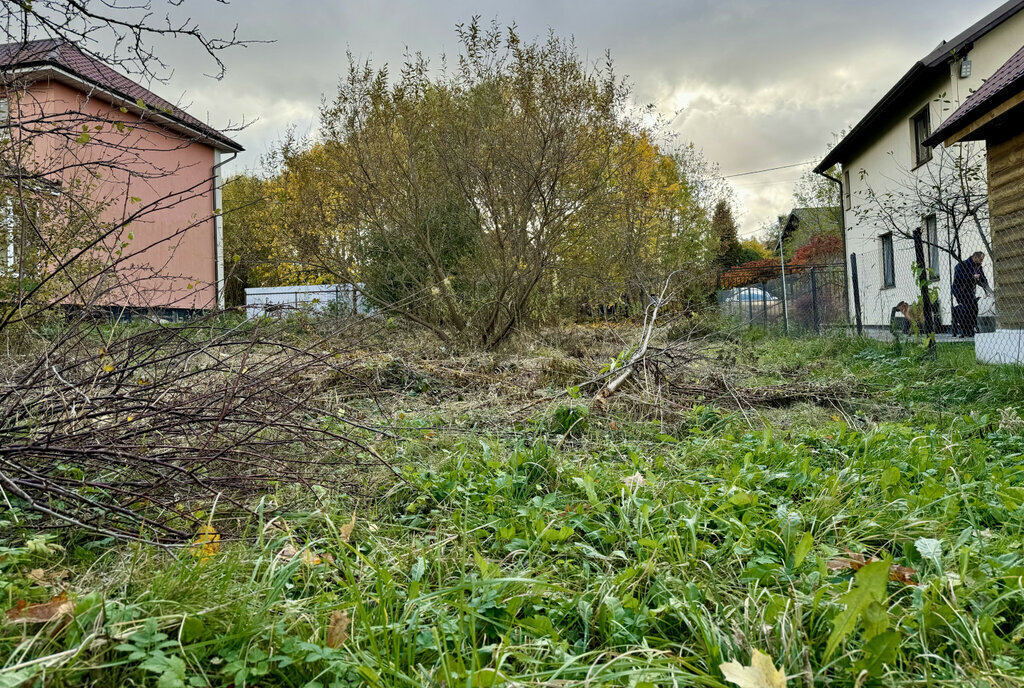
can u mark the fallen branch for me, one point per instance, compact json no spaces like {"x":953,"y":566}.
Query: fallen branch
{"x":650,"y":316}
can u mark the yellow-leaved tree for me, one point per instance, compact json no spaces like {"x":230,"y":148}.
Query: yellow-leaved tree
{"x":283,"y":228}
{"x":654,"y":226}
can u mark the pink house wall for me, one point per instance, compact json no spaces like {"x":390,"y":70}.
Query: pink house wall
{"x":164,"y":177}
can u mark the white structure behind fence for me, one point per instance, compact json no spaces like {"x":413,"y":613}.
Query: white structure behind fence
{"x":336,"y":298}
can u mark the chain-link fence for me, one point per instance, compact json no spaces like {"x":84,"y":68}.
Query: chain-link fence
{"x":808,"y":298}
{"x":1006,"y":343}
{"x":945,"y":285}
{"x":924,"y":281}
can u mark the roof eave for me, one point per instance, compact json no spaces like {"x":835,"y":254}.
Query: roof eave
{"x":880,"y":109}
{"x":221,"y":142}
{"x":974,"y":125}
{"x":938,"y":57}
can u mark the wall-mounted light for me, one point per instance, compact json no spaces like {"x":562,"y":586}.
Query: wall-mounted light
{"x":965,"y":68}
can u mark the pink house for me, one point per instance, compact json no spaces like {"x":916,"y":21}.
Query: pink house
{"x":150,"y":172}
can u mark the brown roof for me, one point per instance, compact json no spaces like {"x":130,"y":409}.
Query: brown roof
{"x":931,"y":66}
{"x":1007,"y":81}
{"x":50,"y":53}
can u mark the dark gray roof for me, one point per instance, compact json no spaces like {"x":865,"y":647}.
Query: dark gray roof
{"x":930,"y":66}
{"x":68,"y":58}
{"x":1007,"y":81}
{"x":824,"y":217}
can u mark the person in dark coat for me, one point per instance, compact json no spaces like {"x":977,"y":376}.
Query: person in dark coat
{"x":968,"y":275}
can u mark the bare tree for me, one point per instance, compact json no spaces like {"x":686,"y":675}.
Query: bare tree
{"x":119,"y":34}
{"x":952,"y":187}
{"x":127,"y":431}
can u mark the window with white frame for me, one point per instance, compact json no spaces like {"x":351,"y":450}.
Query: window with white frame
{"x":921,"y":129}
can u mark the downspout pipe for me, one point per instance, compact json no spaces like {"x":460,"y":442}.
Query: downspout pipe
{"x":218,"y":223}
{"x":842,"y":235}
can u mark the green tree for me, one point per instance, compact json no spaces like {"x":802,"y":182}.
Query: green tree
{"x":654,"y":227}
{"x":513,"y":188}
{"x":245,"y":246}
{"x":471,"y":187}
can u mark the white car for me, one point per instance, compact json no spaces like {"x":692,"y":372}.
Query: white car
{"x":750,"y":295}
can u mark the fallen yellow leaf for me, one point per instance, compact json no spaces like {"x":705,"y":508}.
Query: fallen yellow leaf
{"x":760,"y":674}
{"x":207,"y":544}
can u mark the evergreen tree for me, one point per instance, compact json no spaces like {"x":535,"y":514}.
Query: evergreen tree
{"x":723,"y":226}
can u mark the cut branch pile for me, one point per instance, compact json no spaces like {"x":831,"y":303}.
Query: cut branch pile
{"x":132,"y":436}
{"x":682,"y":373}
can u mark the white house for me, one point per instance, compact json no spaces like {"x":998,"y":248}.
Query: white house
{"x":888,"y":173}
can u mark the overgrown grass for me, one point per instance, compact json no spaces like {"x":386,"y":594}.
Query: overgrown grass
{"x":585,"y":549}
{"x":908,"y":376}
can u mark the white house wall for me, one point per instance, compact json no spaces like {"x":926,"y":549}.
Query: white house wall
{"x":887,"y":160}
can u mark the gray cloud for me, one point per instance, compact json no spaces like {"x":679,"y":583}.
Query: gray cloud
{"x":756,"y":83}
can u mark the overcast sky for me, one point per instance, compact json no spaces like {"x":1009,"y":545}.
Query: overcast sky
{"x":757,"y":83}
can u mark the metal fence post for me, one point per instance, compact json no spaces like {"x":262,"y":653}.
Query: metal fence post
{"x":764,"y":303}
{"x":926,"y":301}
{"x":750,"y":306}
{"x":856,"y":294}
{"x":785,"y":299}
{"x":814,"y":301}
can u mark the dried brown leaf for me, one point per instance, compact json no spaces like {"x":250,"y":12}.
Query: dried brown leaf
{"x":44,"y":612}
{"x":345,"y":533}
{"x":634,"y":481}
{"x":306,"y":555}
{"x":902,"y":574}
{"x":854,"y":561}
{"x":337,"y":629}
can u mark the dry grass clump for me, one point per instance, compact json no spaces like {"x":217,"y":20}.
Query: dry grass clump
{"x":408,"y":375}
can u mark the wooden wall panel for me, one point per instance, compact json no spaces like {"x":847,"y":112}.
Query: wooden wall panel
{"x":1006,"y":204}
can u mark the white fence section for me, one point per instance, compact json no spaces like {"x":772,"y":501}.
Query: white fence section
{"x":340,"y":299}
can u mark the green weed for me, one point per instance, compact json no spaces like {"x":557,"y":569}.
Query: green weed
{"x":589,"y":551}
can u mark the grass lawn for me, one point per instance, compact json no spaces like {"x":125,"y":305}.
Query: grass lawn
{"x":874,"y":539}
